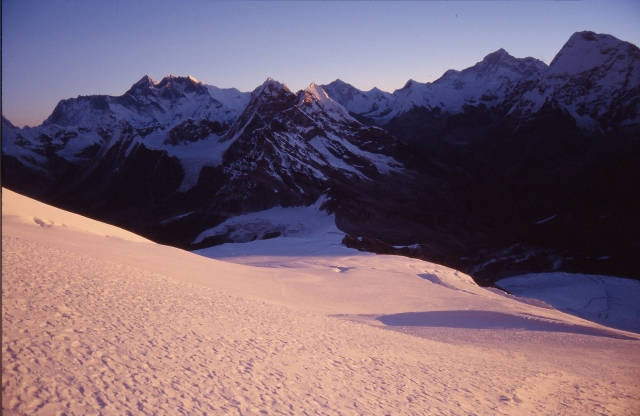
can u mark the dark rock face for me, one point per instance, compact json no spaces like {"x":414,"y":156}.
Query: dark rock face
{"x":190,"y":131}
{"x":120,"y":189}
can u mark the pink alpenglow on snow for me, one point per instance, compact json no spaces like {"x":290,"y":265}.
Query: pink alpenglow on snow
{"x":98,"y":321}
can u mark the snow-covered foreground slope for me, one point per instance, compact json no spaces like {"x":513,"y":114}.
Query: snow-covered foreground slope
{"x":97,"y":325}
{"x":610,"y":301}
{"x":16,"y":207}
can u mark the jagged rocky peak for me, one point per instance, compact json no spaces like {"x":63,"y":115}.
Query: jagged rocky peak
{"x":270,"y":91}
{"x":172,"y":86}
{"x":269,"y":98}
{"x":315,"y":93}
{"x":173,"y":80}
{"x":145,"y":83}
{"x":169,"y":87}
{"x":315,"y":99}
{"x":272,"y":87}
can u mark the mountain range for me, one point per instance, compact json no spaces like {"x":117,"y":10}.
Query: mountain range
{"x":504,"y":168}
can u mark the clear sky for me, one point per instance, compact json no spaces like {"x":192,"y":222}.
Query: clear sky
{"x":52,"y":50}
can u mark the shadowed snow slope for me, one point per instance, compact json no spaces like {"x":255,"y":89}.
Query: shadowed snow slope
{"x":607,"y":300}
{"x":97,"y":325}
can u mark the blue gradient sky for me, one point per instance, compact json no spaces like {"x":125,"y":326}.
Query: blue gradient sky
{"x":52,"y":50}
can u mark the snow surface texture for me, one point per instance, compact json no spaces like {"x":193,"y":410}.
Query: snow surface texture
{"x":607,"y":300}
{"x":97,"y":325}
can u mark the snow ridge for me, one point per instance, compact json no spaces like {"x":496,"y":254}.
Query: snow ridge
{"x":492,"y":82}
{"x":595,"y":77}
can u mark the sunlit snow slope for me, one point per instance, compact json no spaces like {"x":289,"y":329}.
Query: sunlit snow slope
{"x":16,"y":207}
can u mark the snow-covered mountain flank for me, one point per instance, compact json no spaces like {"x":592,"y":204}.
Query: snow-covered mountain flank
{"x":464,"y":169}
{"x":596,"y":78}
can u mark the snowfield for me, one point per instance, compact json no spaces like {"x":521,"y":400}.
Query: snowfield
{"x":311,"y":227}
{"x":98,"y":321}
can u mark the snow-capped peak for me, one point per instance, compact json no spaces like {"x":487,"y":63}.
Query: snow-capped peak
{"x":356,"y":101}
{"x":596,"y":78}
{"x":497,"y":55}
{"x":584,"y":51}
{"x":448,"y":73}
{"x":499,"y":59}
{"x":265,"y":101}
{"x":496,"y":80}
{"x":339,"y":82}
{"x":411,"y":84}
